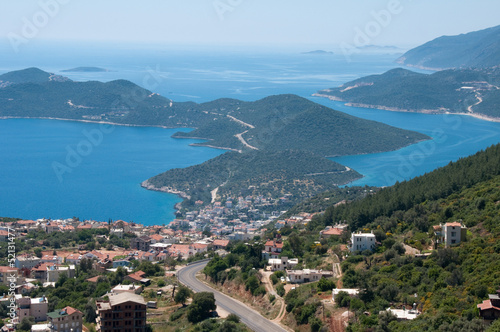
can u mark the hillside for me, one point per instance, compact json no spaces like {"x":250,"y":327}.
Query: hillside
{"x":478,"y":49}
{"x":298,"y":174}
{"x":274,"y":131}
{"x":441,"y":183}
{"x":266,"y":124}
{"x":287,"y":122}
{"x":469,"y":91}
{"x":448,"y":284}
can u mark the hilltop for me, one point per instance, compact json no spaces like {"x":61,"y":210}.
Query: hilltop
{"x":478,"y":49}
{"x":274,"y":132}
{"x":295,"y":174}
{"x":468,"y":91}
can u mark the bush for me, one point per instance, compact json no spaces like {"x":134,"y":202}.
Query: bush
{"x":280,"y":289}
{"x":325,"y":284}
{"x":261,"y":290}
{"x":161,"y":283}
{"x":274,"y":279}
{"x":315,"y":323}
{"x":233,"y":318}
{"x":272,"y":298}
{"x":177,"y":314}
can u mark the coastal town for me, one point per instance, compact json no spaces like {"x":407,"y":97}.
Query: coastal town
{"x":108,"y":247}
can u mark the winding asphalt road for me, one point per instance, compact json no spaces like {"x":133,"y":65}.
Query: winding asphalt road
{"x":248,"y":316}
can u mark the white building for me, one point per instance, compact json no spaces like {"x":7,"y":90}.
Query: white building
{"x":283,"y":263}
{"x":26,"y":261}
{"x":403,"y":314}
{"x":362,"y":241}
{"x":454,"y":233}
{"x":306,"y":275}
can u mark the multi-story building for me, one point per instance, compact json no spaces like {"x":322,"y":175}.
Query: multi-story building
{"x":124,"y":312}
{"x":282,"y":264}
{"x":141,"y":243}
{"x":36,"y":308}
{"x":9,"y":274}
{"x":453,"y":233}
{"x":26,"y":261}
{"x":65,"y":320}
{"x":272,"y":249}
{"x":362,"y":241}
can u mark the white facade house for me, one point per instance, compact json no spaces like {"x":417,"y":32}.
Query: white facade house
{"x":453,"y":233}
{"x":283,"y":263}
{"x":362,"y":241}
{"x":306,"y":275}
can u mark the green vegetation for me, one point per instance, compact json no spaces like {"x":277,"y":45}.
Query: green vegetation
{"x":404,"y":196}
{"x":282,"y":128}
{"x":443,"y":91}
{"x":474,"y":49}
{"x":203,"y":304}
{"x":322,"y":201}
{"x":448,"y":284}
{"x":271,"y":174}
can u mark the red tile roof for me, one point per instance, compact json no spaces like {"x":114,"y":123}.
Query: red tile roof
{"x":487,"y":305}
{"x":221,"y":243}
{"x":455,"y":224}
{"x":71,"y":311}
{"x":333,"y":231}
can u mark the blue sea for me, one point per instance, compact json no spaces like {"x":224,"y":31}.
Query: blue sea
{"x":43,"y":177}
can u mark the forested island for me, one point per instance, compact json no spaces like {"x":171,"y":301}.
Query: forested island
{"x":279,"y":143}
{"x":467,"y":91}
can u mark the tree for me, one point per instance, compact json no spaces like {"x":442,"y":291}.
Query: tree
{"x":26,"y":324}
{"x":182,"y":295}
{"x":90,"y":311}
{"x":325,"y":284}
{"x":38,"y":252}
{"x":203,"y":303}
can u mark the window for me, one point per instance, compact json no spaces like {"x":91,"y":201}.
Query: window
{"x":453,"y":233}
{"x":453,"y":241}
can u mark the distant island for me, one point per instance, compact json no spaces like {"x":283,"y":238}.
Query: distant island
{"x":278,"y":143}
{"x":318,"y":52}
{"x":474,"y":92}
{"x":85,"y":70}
{"x":478,"y":49}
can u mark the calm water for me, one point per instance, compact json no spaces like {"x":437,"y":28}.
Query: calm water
{"x":52,"y":169}
{"x":41,"y":177}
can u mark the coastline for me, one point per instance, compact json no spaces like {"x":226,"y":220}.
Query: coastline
{"x":148,"y":186}
{"x":91,"y":121}
{"x":395,"y":109}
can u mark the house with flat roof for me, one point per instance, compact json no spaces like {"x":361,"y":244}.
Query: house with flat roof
{"x":36,"y":308}
{"x":282,"y":264}
{"x":362,"y":241}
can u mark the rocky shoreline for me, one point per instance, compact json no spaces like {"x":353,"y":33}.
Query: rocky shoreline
{"x":147,"y":185}
{"x":395,"y":109}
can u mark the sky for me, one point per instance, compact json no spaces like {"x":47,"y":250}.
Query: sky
{"x":329,"y":23}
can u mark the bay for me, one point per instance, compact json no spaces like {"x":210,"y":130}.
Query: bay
{"x":106,"y":182}
{"x":60,"y":169}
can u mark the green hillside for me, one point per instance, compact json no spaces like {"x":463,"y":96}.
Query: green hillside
{"x":270,"y":174}
{"x":456,"y":91}
{"x":478,"y":49}
{"x":448,"y":284}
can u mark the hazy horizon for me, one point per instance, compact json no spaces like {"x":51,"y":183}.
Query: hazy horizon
{"x":325,"y":24}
